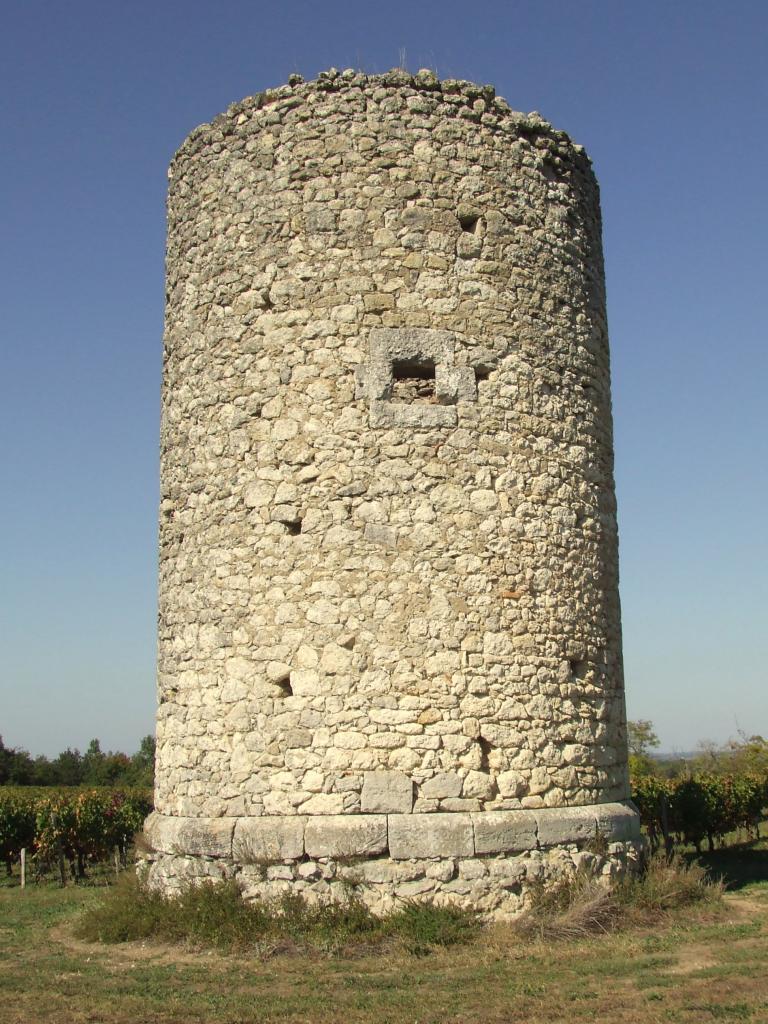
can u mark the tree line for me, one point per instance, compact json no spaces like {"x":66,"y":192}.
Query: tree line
{"x":71,"y":768}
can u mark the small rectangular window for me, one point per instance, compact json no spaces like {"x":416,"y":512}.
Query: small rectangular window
{"x":413,"y":381}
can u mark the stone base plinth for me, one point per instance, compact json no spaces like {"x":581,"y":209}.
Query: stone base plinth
{"x":486,"y":860}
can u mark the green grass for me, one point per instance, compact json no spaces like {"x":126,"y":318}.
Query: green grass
{"x":213,"y":915}
{"x":691,"y":964}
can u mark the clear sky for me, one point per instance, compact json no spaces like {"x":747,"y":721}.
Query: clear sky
{"x":669,"y":99}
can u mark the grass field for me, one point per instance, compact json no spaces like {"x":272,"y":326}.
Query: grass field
{"x":704,"y":963}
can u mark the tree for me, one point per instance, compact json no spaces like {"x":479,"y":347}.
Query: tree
{"x":71,"y":768}
{"x":141,"y":771}
{"x":67,"y":768}
{"x":641,"y":739}
{"x":16,"y":766}
{"x":742,"y":754}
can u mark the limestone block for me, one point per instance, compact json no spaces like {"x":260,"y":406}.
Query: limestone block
{"x":470,"y":869}
{"x":309,"y":871}
{"x":411,"y":343}
{"x":387,"y":792}
{"x":618,"y":822}
{"x":460,"y":804}
{"x":385,"y":870}
{"x":278,"y":671}
{"x":386,"y":414}
{"x":323,"y":803}
{"x":258,"y":495}
{"x":478,"y":784}
{"x":307,"y":682}
{"x":430,"y":835}
{"x":441,"y":870}
{"x":385,"y":536}
{"x":280,"y":873}
{"x":561,"y":825}
{"x":346,"y":835}
{"x":269,"y":839}
{"x":200,"y":837}
{"x":511,"y":784}
{"x":504,"y":831}
{"x":335,"y":659}
{"x":419,"y":887}
{"x":442,"y":786}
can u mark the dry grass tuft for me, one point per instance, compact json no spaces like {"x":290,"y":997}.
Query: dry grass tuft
{"x":580,"y":905}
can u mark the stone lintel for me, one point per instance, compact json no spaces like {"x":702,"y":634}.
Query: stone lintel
{"x":346,"y":835}
{"x":388,"y":343}
{"x":270,"y":838}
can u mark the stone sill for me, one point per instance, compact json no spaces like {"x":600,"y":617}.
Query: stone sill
{"x":266,"y":839}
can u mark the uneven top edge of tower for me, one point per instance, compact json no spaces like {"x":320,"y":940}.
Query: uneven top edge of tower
{"x":470,"y":100}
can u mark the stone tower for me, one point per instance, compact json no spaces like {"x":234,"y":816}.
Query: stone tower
{"x":390,"y":649}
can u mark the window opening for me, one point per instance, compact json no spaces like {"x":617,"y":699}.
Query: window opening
{"x":468,"y":222}
{"x":578,"y":667}
{"x":413,"y":381}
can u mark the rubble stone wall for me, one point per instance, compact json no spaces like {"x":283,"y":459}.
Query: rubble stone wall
{"x":388,"y":577}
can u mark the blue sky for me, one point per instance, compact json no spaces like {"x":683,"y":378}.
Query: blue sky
{"x":669,"y":100}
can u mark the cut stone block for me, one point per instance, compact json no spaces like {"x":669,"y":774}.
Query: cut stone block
{"x":430,"y":835}
{"x":346,"y":835}
{"x":387,"y":793}
{"x":618,"y":822}
{"x":386,"y":870}
{"x":272,"y":838}
{"x":504,"y":831}
{"x":562,"y":825}
{"x":386,"y":414}
{"x":199,"y":837}
{"x":442,"y":786}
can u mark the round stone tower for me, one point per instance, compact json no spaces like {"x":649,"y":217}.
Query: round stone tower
{"x":390,"y":650}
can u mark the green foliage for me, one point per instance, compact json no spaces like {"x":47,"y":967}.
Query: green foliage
{"x":641,"y":739}
{"x":214,"y":915}
{"x":421,"y":926}
{"x":702,"y":805}
{"x":747,"y":754}
{"x":71,"y":768}
{"x":17,"y":824}
{"x":79,"y":825}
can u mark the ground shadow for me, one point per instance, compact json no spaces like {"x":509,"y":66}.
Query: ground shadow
{"x":737,"y":866}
